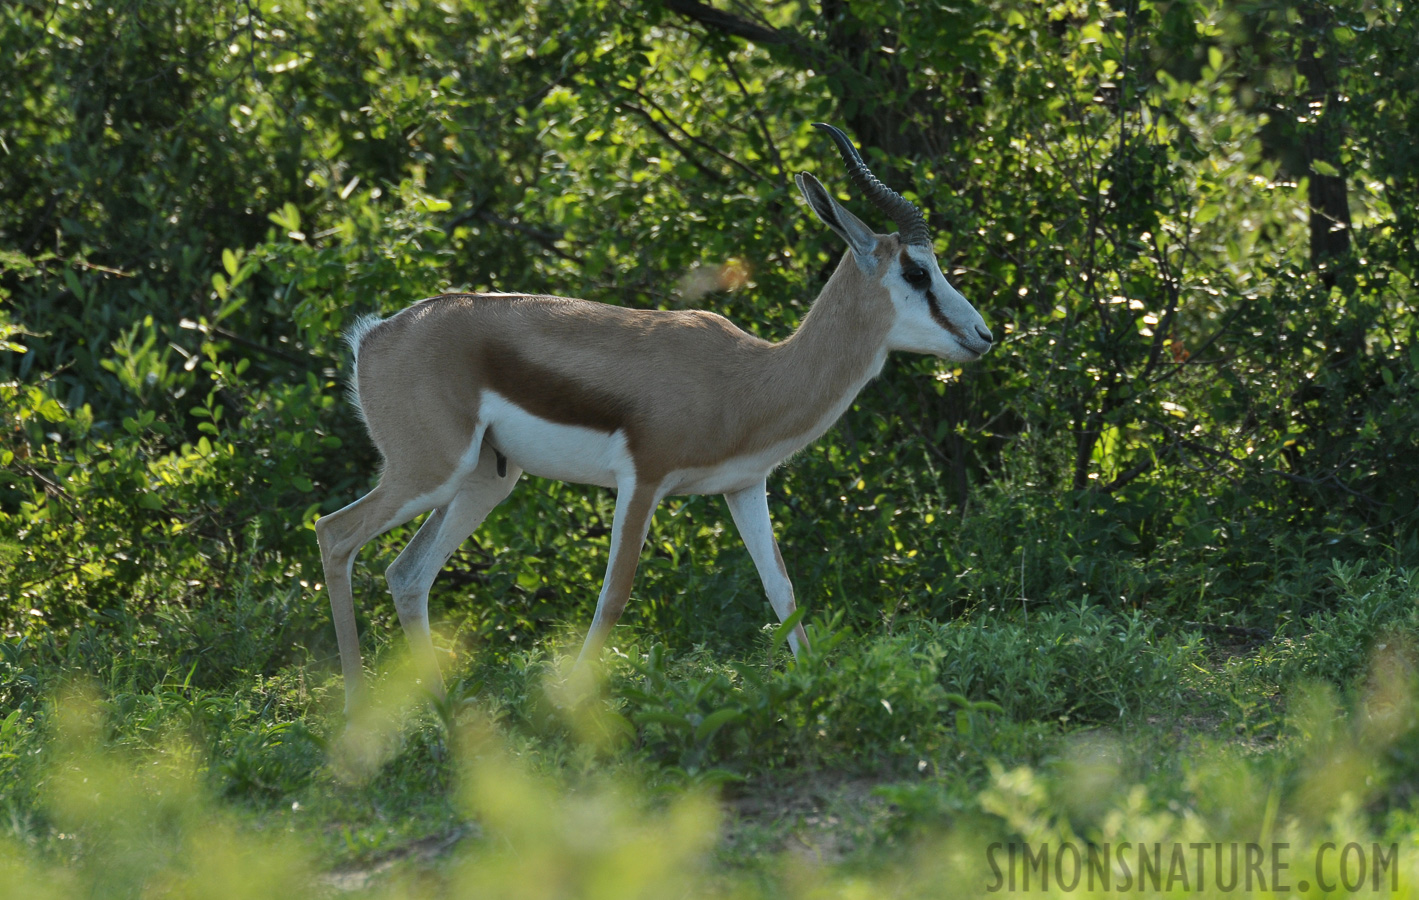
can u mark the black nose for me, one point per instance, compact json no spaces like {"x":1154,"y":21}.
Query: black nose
{"x":985,"y":334}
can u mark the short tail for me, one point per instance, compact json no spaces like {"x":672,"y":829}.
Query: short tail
{"x":354,"y":338}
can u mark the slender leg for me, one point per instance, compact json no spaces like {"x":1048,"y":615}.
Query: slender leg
{"x":635,"y":505}
{"x":341,"y":535}
{"x":750,"y":510}
{"x":412,"y":574}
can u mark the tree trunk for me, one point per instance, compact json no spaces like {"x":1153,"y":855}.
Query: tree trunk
{"x":1321,"y":136}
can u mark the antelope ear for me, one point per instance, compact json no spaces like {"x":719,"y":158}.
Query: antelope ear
{"x":850,"y":228}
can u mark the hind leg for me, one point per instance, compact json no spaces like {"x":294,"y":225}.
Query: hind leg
{"x":412,"y":574}
{"x":341,"y":535}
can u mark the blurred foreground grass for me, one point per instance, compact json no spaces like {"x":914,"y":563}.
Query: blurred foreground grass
{"x":902,"y":764}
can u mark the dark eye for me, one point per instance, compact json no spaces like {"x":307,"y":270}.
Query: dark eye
{"x":916,"y":276}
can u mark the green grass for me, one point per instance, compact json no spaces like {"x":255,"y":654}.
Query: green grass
{"x":886,"y":760}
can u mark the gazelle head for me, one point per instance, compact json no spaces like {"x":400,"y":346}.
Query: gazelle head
{"x":930,"y":316}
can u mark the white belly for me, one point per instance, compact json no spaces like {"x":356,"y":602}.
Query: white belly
{"x":731,"y":475}
{"x":550,"y":450}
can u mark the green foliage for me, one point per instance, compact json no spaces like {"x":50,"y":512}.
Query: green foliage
{"x":1182,"y":486}
{"x":1178,"y":382}
{"x":905,"y":699}
{"x":1335,"y":646}
{"x":1078,"y":664}
{"x":175,"y":786}
{"x":880,"y":706}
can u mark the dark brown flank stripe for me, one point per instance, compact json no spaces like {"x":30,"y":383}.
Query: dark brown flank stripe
{"x":543,"y":392}
{"x":548,"y":394}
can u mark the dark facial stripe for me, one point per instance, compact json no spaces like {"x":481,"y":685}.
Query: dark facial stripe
{"x":932,"y":303}
{"x":935,"y":306}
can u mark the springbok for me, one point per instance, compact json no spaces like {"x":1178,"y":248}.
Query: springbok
{"x":462,"y":393}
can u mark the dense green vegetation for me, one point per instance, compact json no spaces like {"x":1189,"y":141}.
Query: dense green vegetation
{"x":1145,"y":573}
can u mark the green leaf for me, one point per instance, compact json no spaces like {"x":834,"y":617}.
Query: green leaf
{"x":714,"y":777}
{"x":229,"y":307}
{"x":7,"y":727}
{"x":618,"y":724}
{"x":660,"y":717}
{"x":288,"y":217}
{"x":715,"y":721}
{"x":782,"y":632}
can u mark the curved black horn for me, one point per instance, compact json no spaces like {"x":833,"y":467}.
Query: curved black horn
{"x":911,"y":225}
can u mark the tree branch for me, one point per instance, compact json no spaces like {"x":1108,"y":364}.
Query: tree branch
{"x":547,"y":239}
{"x":728,"y":22}
{"x":758,"y":114}
{"x":670,"y":139}
{"x":699,"y":142}
{"x":1124,"y":478}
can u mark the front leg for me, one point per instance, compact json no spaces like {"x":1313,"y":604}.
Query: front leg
{"x":635,"y":504}
{"x":750,"y":510}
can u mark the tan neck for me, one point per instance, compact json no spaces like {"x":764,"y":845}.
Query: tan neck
{"x":839,"y":345}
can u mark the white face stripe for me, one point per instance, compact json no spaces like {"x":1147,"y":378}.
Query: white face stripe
{"x":933,"y":317}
